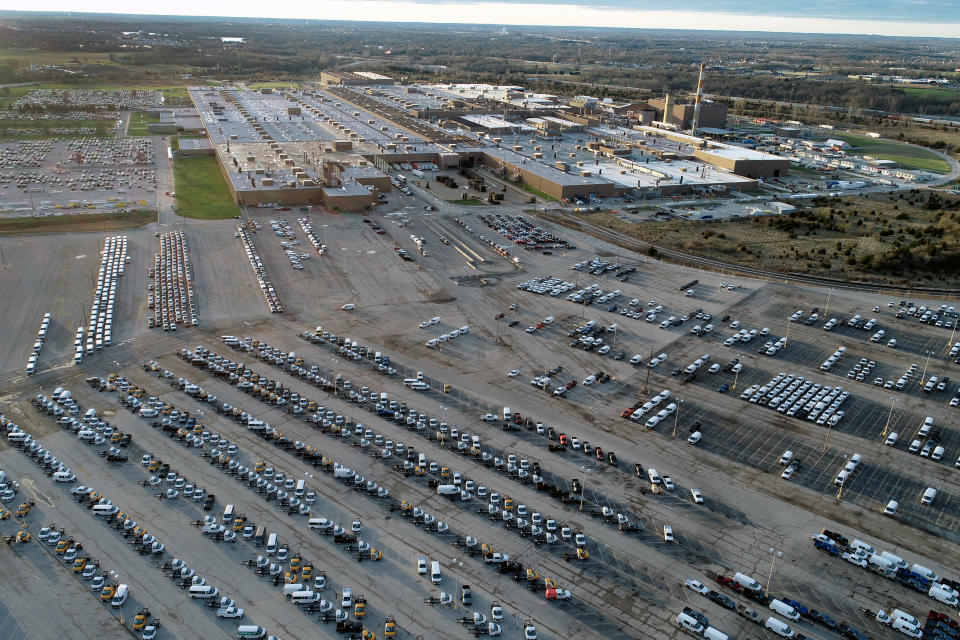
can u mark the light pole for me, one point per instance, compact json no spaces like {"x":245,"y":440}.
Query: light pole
{"x":827,"y":308}
{"x":786,"y":337}
{"x":952,"y":333}
{"x":736,"y":376}
{"x":893,"y":401}
{"x":676,"y":418}
{"x":774,"y":554}
{"x":456,"y":597}
{"x":924,"y":376}
{"x":583,"y":486}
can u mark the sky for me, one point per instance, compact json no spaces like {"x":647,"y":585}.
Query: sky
{"x":923,"y":18}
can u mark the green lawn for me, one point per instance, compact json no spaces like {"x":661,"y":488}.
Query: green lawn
{"x":935,"y":92}
{"x":201,"y":190}
{"x":905,"y":155}
{"x":77,"y":222}
{"x":139,"y":121}
{"x":100,"y":126}
{"x":280,"y":84}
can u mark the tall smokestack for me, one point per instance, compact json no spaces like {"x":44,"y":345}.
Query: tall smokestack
{"x":667,"y":109}
{"x":696,"y":105}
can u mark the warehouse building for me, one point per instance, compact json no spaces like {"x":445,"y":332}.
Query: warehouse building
{"x":744,"y":162}
{"x":712,"y":114}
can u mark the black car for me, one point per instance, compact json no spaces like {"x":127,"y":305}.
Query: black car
{"x":722,"y":600}
{"x":639,"y":469}
{"x":696,"y":615}
{"x":822,"y":618}
{"x":466,"y":596}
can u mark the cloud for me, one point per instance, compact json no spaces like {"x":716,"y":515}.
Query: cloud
{"x":939,"y":18}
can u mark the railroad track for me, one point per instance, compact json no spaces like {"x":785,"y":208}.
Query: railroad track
{"x":711,"y":264}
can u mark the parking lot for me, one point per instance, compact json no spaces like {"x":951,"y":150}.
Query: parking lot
{"x":631,"y":582}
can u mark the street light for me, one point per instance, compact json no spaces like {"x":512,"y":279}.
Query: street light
{"x":583,"y":486}
{"x":676,"y":418}
{"x":893,"y":401}
{"x":458,"y":565}
{"x":736,"y":376}
{"x":774,"y":554}
{"x":924,"y":376}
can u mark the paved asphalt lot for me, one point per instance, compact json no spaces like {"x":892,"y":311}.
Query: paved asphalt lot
{"x":631,"y":586}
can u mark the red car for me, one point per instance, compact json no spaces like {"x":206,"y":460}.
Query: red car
{"x":626,"y":413}
{"x":728,"y":582}
{"x":572,"y":384}
{"x":599,"y":453}
{"x":563,"y":439}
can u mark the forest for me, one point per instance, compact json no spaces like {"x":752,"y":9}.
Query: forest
{"x":619,"y":63}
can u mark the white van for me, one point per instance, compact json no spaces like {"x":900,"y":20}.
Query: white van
{"x":779,"y":627}
{"x":689,"y":623}
{"x":653,"y":475}
{"x":300,"y":489}
{"x":90,"y":415}
{"x":296,"y":587}
{"x":746,"y":582}
{"x":940,"y":594}
{"x":120,"y":596}
{"x":420,"y":386}
{"x":896,"y":561}
{"x":928,"y":495}
{"x":64,"y":476}
{"x":203,"y":592}
{"x":714,"y":634}
{"x":250,"y":632}
{"x":228,"y":515}
{"x":272,"y":544}
{"x":435,"y":576}
{"x":786,"y":457}
{"x":906,"y":628}
{"x":784,"y":609}
{"x":862,"y":547}
{"x":104,"y":510}
{"x":305,"y":596}
{"x":422,"y":461}
{"x":891,"y":508}
{"x":926,"y":573}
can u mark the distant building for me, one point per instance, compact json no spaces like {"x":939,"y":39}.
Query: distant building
{"x":838,"y":145}
{"x":712,"y":114}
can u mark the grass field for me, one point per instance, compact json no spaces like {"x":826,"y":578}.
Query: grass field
{"x":280,"y":84}
{"x":201,"y":190}
{"x":934,"y":92}
{"x":880,"y":238}
{"x":139,"y":121}
{"x":100,"y":126}
{"x":905,"y":155}
{"x":78,"y":222}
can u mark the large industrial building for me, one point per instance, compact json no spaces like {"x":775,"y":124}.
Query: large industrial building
{"x":334,"y":143}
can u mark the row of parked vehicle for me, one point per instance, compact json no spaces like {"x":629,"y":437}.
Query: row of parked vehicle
{"x":263,"y":280}
{"x":112,"y":264}
{"x":311,"y":236}
{"x":298,"y":592}
{"x":791,"y":394}
{"x":171,"y":296}
{"x":890,"y":566}
{"x":38,"y":345}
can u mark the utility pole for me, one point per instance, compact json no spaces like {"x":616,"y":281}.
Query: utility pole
{"x":774,"y":554}
{"x":893,"y":401}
